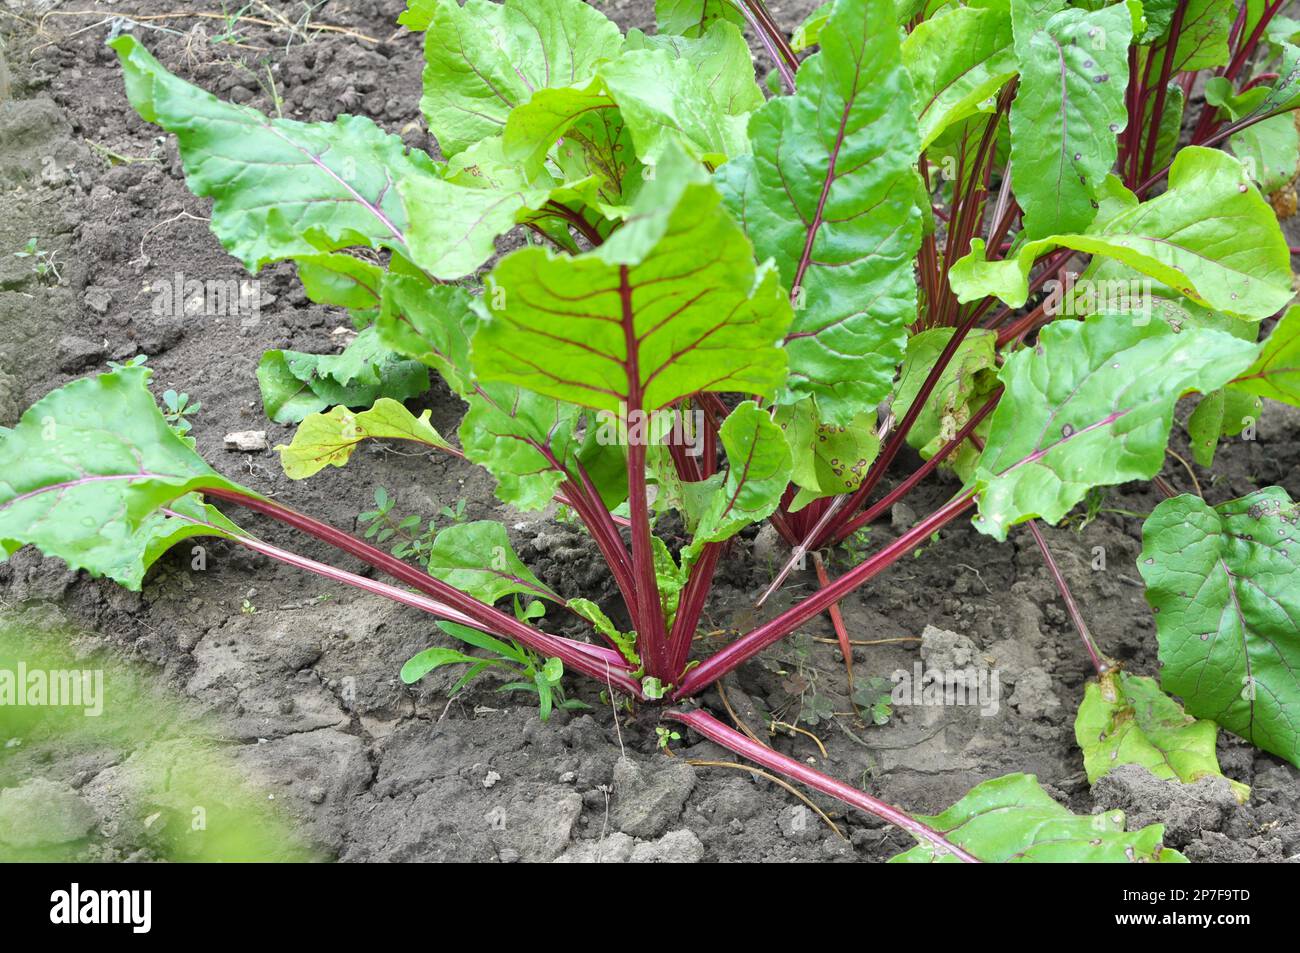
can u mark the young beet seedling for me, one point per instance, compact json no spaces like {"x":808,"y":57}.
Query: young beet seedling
{"x":721,"y":290}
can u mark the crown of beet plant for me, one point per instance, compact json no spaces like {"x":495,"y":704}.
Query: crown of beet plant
{"x":737,"y":304}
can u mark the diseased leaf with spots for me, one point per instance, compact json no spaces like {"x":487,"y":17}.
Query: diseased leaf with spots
{"x":1091,"y":405}
{"x":1127,"y":719}
{"x":1068,"y":111}
{"x":1224,"y":583}
{"x":831,"y":193}
{"x":963,"y":387}
{"x":827,"y":459}
{"x":1011,"y":819}
{"x":329,"y":439}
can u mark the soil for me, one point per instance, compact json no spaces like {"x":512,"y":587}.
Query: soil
{"x":296,"y":683}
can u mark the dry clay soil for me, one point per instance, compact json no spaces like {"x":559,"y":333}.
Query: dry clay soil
{"x":301,"y":699}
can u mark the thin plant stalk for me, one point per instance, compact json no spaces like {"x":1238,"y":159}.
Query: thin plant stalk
{"x":1099,"y":661}
{"x":771,"y":632}
{"x":708,"y":726}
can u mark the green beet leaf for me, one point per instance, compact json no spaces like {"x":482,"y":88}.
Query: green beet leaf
{"x":1211,"y":237}
{"x":1068,"y":111}
{"x":1224,"y":583}
{"x":1276,"y":374}
{"x":477,"y":558}
{"x":961,"y":390}
{"x":431,"y":324}
{"x":1091,"y":405}
{"x":957,"y":62}
{"x":1223,"y":413}
{"x":295,"y":385}
{"x":826,"y":459}
{"x":87,"y":473}
{"x":670,"y":305}
{"x":695,"y":17}
{"x":1013,"y":820}
{"x":483,"y":59}
{"x":1127,"y":719}
{"x":328,"y":439}
{"x":280,"y":189}
{"x":666,"y":100}
{"x":832,"y":194}
{"x":525,"y":440}
{"x":758,"y":471}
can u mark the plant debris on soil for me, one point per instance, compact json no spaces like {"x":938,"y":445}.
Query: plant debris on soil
{"x":308,"y":708}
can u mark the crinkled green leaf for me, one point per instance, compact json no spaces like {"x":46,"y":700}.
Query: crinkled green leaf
{"x":809,"y":33}
{"x":1224,"y":583}
{"x":431,"y":324}
{"x":1127,"y":719}
{"x":519,"y":436}
{"x":280,"y":189}
{"x":695,"y":17}
{"x":328,"y":439}
{"x":294,"y":384}
{"x":1091,"y":405}
{"x":1211,"y":237}
{"x":758,"y":471}
{"x":1011,"y":819}
{"x":342,"y":281}
{"x":483,"y":59}
{"x":722,"y":59}
{"x":454,"y":228}
{"x":957,"y":62}
{"x":962,"y":388}
{"x":1276,"y":374}
{"x":625,"y":641}
{"x":832,"y":194}
{"x":477,"y":558}
{"x":87,"y":472}
{"x":1068,"y":111}
{"x":670,"y":305}
{"x":667,"y":101}
{"x":1222,"y":413}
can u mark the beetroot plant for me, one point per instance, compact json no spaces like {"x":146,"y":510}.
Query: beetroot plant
{"x":1010,"y":234}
